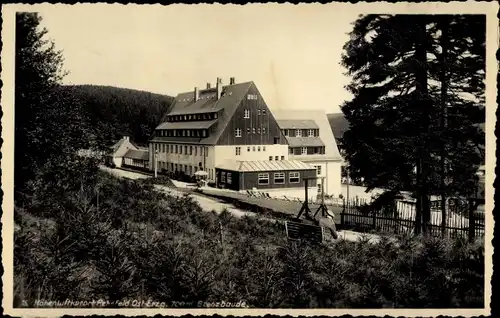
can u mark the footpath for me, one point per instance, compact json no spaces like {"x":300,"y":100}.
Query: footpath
{"x":208,"y":203}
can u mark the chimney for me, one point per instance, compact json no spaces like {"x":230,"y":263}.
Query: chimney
{"x":231,"y":81}
{"x":209,"y":86}
{"x":196,"y":94}
{"x":219,"y":87}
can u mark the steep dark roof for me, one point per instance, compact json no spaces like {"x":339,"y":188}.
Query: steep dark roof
{"x":205,"y":124}
{"x":338,"y":124}
{"x":184,"y":104}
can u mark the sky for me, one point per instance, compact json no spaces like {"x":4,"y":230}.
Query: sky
{"x":292,"y":53}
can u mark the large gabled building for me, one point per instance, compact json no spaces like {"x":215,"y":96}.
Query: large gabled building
{"x":207,"y":127}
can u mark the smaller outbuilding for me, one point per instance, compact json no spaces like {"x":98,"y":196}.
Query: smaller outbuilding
{"x":278,"y":175}
{"x":137,"y":158}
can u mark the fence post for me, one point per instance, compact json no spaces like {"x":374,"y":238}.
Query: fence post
{"x":472,"y":221}
{"x":342,"y":213}
{"x":374,"y":213}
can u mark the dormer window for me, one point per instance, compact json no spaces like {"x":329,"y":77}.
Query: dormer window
{"x":204,"y":133}
{"x":311,"y":133}
{"x":298,"y":133}
{"x":247,"y":113}
{"x":285,"y":132}
{"x":215,"y":115}
{"x":189,"y":117}
{"x":185,"y":117}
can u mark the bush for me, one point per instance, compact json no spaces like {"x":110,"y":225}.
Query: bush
{"x":121,"y":239}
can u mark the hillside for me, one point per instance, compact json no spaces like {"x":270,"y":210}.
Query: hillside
{"x":339,"y":124}
{"x":114,"y":111}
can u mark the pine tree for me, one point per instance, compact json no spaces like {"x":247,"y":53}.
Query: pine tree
{"x":49,"y":126}
{"x":397,"y":137}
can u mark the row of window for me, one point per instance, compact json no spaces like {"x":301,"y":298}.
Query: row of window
{"x":279,"y":178}
{"x":181,"y":149}
{"x":249,"y":149}
{"x":192,"y":117}
{"x":306,"y":150}
{"x":187,"y":169}
{"x":260,"y":131}
{"x":301,"y":132}
{"x":276,"y":158}
{"x":246,"y":113}
{"x":182,"y":133}
{"x":263,"y":178}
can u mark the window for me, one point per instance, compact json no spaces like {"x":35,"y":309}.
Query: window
{"x":263,"y":148}
{"x":258,"y":148}
{"x":248,"y":130}
{"x":253,"y":130}
{"x":282,"y":157}
{"x":248,"y":149}
{"x":285,"y":132}
{"x":185,"y":117}
{"x":298,"y":133}
{"x":201,"y":151}
{"x":276,"y":158}
{"x":270,"y":158}
{"x":311,"y":133}
{"x":263,"y":112}
{"x":294,"y":177}
{"x":189,"y":117}
{"x":223,"y":176}
{"x":229,"y":178}
{"x":252,"y":96}
{"x":263,"y":178}
{"x":185,"y":150}
{"x":320,"y":188}
{"x":263,"y":130}
{"x":180,"y":150}
{"x":196,"y":150}
{"x":238,"y":151}
{"x":258,"y":112}
{"x":176,"y":149}
{"x":303,"y":151}
{"x":279,"y":178}
{"x":163,"y":148}
{"x":237,"y":132}
{"x":204,"y":133}
{"x":318,"y":170}
{"x":206,"y":152}
{"x":258,"y":131}
{"x":190,"y":150}
{"x":290,"y":151}
{"x":189,"y":133}
{"x":253,"y":148}
{"x":247,"y":113}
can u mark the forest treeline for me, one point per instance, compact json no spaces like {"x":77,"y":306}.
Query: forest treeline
{"x":115,"y":111}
